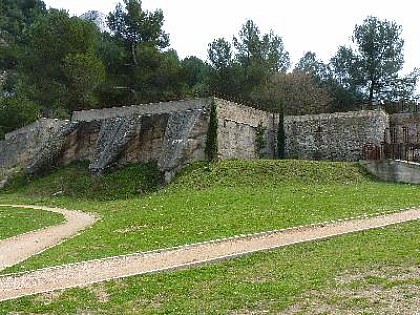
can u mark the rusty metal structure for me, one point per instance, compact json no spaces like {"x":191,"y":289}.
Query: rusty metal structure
{"x":400,"y":143}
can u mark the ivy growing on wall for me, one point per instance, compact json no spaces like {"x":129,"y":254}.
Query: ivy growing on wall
{"x":211,"y":142}
{"x":281,"y":136}
{"x":260,"y":141}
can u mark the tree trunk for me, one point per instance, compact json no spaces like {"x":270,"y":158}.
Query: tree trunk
{"x":133,"y":54}
{"x":371,"y":91}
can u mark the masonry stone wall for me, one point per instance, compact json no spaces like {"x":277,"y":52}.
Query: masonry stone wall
{"x":237,"y":130}
{"x":336,"y":136}
{"x":175,"y":133}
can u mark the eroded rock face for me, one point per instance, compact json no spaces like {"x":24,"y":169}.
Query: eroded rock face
{"x":34,"y":147}
{"x":172,"y":134}
{"x":112,"y":140}
{"x":171,"y":137}
{"x":146,"y":145}
{"x":175,"y":143}
{"x":80,"y":144}
{"x":50,"y":148}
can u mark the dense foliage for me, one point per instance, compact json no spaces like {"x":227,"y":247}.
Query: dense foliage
{"x":254,"y":69}
{"x":52,"y":63}
{"x":372,"y":66}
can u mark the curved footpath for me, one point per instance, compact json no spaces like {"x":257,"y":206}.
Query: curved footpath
{"x":88,"y":272}
{"x":19,"y":248}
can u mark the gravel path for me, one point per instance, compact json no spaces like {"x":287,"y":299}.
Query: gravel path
{"x":88,"y":272}
{"x":18,"y":248}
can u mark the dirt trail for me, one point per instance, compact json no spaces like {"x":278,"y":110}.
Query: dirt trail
{"x":88,"y":272}
{"x":18,"y":248}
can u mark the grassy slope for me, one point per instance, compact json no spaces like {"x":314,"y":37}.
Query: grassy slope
{"x":15,"y":221}
{"x":213,"y":201}
{"x":74,"y":181}
{"x":220,"y":200}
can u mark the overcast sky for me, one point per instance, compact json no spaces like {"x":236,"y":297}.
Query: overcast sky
{"x":320,"y":26}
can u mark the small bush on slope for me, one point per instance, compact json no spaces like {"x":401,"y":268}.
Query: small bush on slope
{"x":75,"y":181}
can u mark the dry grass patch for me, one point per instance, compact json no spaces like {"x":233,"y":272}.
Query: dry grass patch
{"x":381,"y":291}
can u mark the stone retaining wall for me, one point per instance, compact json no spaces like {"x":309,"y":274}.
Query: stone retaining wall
{"x":394,"y":170}
{"x":175,"y":133}
{"x":336,"y":136}
{"x":237,"y":130}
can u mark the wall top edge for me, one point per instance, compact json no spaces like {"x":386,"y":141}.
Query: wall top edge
{"x":338,"y":115}
{"x":194,"y":100}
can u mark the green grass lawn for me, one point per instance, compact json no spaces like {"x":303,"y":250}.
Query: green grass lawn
{"x":15,"y":221}
{"x":212,"y":201}
{"x":209,"y":201}
{"x":262,"y":283}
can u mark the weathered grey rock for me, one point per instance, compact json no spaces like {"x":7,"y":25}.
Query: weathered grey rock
{"x":33,"y":146}
{"x":80,"y":145}
{"x":50,"y":148}
{"x":146,"y":145}
{"x":112,"y":140}
{"x":177,"y":133}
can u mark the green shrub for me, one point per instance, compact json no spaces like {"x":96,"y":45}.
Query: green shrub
{"x":75,"y":181}
{"x":211,"y":142}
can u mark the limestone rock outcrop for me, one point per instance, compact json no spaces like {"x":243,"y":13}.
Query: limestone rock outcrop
{"x":171,"y":134}
{"x":98,"y":18}
{"x":34,"y":147}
